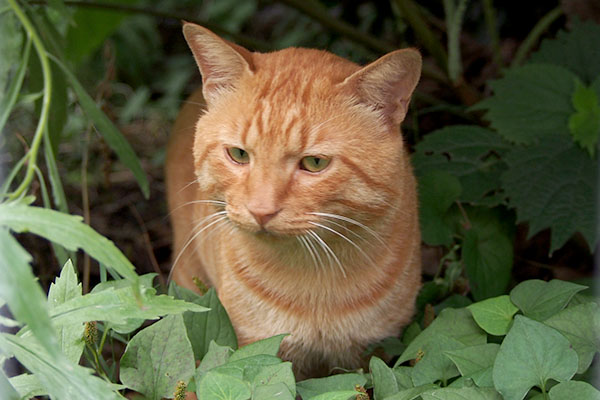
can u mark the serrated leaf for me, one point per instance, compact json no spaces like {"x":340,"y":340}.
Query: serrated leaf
{"x":67,"y":230}
{"x":581,"y":326}
{"x":28,"y":386}
{"x":7,"y":390}
{"x":120,"y":306}
{"x":60,"y":378}
{"x":206,"y":327}
{"x":383,"y":378}
{"x":215,"y":357}
{"x":157,"y":357}
{"x":584,"y":124}
{"x":540,"y":300}
{"x":64,"y":288}
{"x":216,"y":386}
{"x":494,"y":315}
{"x":470,"y":153}
{"x":530,"y":102}
{"x":269,"y":346}
{"x":474,"y":359}
{"x":451,"y":323}
{"x":574,"y":390}
{"x":22,"y":293}
{"x":114,"y":138}
{"x":553,"y":184}
{"x":437,"y":192}
{"x":311,"y":388}
{"x":531,"y":354}
{"x":576,"y":50}
{"x":465,"y":393}
{"x":277,"y":391}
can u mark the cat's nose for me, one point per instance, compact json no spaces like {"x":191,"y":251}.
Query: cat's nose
{"x":263,"y":215}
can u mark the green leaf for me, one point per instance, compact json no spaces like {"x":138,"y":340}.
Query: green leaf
{"x":9,"y":98}
{"x":474,"y":359}
{"x":157,"y":357}
{"x":470,"y":153}
{"x":7,"y":390}
{"x":247,"y":367}
{"x":553,"y":184}
{"x":531,"y":354}
{"x":119,"y":307}
{"x":216,"y":386}
{"x":455,"y":324}
{"x":269,"y":346}
{"x":67,"y":230}
{"x":412,"y":393}
{"x":22,"y":293}
{"x":575,"y":50}
{"x":70,"y":335}
{"x":488,"y":259}
{"x":584,"y":124}
{"x":540,"y":300}
{"x":339,"y":395}
{"x":465,"y":393}
{"x":530,"y":102}
{"x":215,"y":357}
{"x":438,"y":190}
{"x":403,"y":377}
{"x":581,"y":326}
{"x":494,"y":315}
{"x":28,"y":386}
{"x":270,"y":375}
{"x":277,"y":391}
{"x":311,"y":388}
{"x":574,"y":390}
{"x":206,"y":327}
{"x":434,"y":365}
{"x":90,"y":29}
{"x":107,"y":129}
{"x":61,"y":379}
{"x":384,"y":380}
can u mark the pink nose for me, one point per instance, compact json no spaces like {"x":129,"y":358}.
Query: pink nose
{"x":262,"y":216}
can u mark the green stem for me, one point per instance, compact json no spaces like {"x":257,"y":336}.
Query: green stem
{"x":535,"y":35}
{"x":490,"y":20}
{"x":43,"y":121}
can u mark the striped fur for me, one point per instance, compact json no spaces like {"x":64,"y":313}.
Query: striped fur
{"x":338,"y":266}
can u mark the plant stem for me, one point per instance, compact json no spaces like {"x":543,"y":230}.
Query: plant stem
{"x":43,"y":121}
{"x":535,"y":35}
{"x":490,"y":20}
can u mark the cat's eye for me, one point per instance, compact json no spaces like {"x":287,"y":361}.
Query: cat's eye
{"x":314,"y":164}
{"x":238,"y":155}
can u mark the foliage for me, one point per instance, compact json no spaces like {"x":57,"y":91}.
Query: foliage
{"x":534,"y":164}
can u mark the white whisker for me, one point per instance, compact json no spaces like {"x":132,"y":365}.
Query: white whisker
{"x":214,"y":202}
{"x":352,"y":221}
{"x":329,"y":252}
{"x":343,"y":237}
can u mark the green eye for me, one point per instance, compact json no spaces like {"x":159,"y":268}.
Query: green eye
{"x":238,"y":155}
{"x":314,"y":164}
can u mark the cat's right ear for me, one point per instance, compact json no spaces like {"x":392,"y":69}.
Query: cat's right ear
{"x":221,"y":63}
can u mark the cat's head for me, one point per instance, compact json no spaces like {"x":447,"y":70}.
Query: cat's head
{"x":291,"y":136}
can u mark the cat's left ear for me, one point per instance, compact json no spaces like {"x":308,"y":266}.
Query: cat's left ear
{"x":387,"y":84}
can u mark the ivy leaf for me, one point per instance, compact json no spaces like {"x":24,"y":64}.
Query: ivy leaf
{"x":540,"y":300}
{"x":553,"y":184}
{"x":584,"y":124}
{"x":216,"y":386}
{"x":476,"y":362}
{"x":413,"y":393}
{"x":269,"y":346}
{"x":215,"y":357}
{"x":344,"y":382}
{"x":437,"y":192}
{"x":434,"y":365}
{"x":277,"y":391}
{"x":581,"y":326}
{"x":270,"y":375}
{"x":494,"y":315}
{"x":574,"y":390}
{"x":470,"y":153}
{"x":65,"y":288}
{"x":384,"y":380}
{"x":576,"y":50}
{"x":157,"y":357}
{"x":531,"y":354}
{"x":530,"y":102}
{"x":465,"y":393}
{"x":202,"y":328}
{"x":338,"y":395}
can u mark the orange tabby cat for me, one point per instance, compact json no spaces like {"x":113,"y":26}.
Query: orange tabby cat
{"x":292,"y":194}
